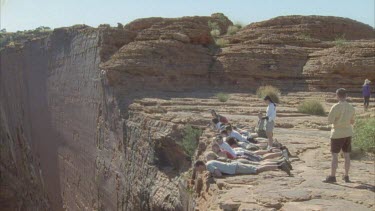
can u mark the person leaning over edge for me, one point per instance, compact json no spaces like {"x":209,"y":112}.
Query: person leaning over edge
{"x":218,"y":168}
{"x":341,"y":117}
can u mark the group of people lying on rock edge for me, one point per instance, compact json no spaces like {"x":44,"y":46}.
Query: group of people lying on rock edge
{"x":236,"y":151}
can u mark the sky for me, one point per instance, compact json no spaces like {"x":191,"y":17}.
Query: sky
{"x":29,"y":14}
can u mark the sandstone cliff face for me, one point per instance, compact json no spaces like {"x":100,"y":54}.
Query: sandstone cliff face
{"x":78,"y":131}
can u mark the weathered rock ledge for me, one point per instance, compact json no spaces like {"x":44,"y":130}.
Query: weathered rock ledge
{"x":91,"y":118}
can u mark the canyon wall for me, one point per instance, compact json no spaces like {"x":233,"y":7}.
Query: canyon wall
{"x":77,"y":134}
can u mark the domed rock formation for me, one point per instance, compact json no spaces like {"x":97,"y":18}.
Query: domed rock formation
{"x":92,"y":111}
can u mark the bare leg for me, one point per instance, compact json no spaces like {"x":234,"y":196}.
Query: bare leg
{"x":270,"y":138}
{"x":272,"y":155}
{"x":261,"y":152}
{"x":268,"y":163}
{"x":347,"y":163}
{"x":266,"y":168}
{"x":335,"y":161}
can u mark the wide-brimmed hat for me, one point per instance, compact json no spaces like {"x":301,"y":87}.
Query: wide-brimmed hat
{"x":367,"y":81}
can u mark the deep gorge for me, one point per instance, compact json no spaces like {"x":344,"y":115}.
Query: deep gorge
{"x":76,"y":133}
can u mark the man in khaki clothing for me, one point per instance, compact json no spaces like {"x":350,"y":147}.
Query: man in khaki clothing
{"x":341,"y":117}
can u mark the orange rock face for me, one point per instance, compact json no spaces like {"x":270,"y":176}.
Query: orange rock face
{"x":79,"y":132}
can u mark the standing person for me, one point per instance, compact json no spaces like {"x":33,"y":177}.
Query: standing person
{"x":341,"y":117}
{"x":366,"y":93}
{"x":270,"y":119}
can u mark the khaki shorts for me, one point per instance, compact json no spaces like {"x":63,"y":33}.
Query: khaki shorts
{"x":245,"y":169}
{"x":344,"y":144}
{"x":270,"y":126}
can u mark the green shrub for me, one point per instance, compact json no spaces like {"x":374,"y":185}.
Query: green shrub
{"x":222,"y":97}
{"x":221,"y":42}
{"x":215,"y":33}
{"x":239,"y":25}
{"x":313,"y":107}
{"x":213,"y":25}
{"x":364,"y":134}
{"x":271,"y":91}
{"x":190,"y":139}
{"x":232,"y":30}
{"x":340,"y":41}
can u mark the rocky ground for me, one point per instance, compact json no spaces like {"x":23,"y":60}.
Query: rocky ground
{"x":306,"y":136}
{"x":100,"y":112}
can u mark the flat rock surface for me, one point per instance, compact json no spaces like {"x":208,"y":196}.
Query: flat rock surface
{"x":309,"y":146}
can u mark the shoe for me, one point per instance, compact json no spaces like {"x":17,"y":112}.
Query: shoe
{"x":284,"y":167}
{"x":330,"y":179}
{"x":288,"y":163}
{"x":346,"y":179}
{"x":287,"y":150}
{"x":285,"y":154}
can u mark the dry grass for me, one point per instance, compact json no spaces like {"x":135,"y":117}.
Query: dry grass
{"x":271,"y":91}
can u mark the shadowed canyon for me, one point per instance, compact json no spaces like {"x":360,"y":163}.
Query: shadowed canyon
{"x":93,"y":118}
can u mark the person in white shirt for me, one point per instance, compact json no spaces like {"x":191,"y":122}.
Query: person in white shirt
{"x":225,"y":146}
{"x":217,"y":124}
{"x":270,"y":119}
{"x":241,"y":138}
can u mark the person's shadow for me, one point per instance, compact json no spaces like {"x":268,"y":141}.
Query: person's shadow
{"x":358,"y":185}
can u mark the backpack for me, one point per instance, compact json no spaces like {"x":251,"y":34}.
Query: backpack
{"x":261,"y":129}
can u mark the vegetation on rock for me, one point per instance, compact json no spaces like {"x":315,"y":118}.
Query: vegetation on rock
{"x":364,"y":134}
{"x":10,"y":38}
{"x":313,"y":107}
{"x":221,"y":42}
{"x":215,"y":33}
{"x":233,"y":29}
{"x":222,"y":97}
{"x":271,"y":91}
{"x":340,"y":41}
{"x":190,"y":139}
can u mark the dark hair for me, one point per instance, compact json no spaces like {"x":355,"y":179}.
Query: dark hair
{"x":231,"y":141}
{"x":199,"y":163}
{"x":269,"y":98}
{"x":215,"y":120}
{"x":213,"y":111}
{"x":229,"y":127}
{"x":224,"y":131}
{"x":341,"y":92}
{"x":215,"y":144}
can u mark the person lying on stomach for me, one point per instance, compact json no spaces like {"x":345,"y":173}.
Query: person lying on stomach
{"x":218,"y":168}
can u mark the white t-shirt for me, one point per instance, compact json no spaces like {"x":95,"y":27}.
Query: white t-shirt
{"x":240,"y":151}
{"x":271,"y":112}
{"x":218,"y":125}
{"x":225,"y":146}
{"x":238,"y":136}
